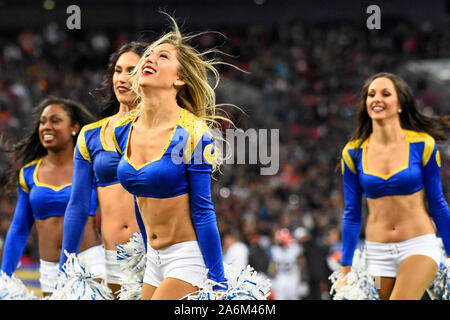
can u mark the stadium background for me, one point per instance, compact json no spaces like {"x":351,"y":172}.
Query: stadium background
{"x":307,"y":61}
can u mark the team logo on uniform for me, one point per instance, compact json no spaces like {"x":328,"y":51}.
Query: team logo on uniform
{"x":438,"y":158}
{"x":208,"y":154}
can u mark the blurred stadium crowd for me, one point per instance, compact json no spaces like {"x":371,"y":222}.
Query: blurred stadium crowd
{"x":307,"y":79}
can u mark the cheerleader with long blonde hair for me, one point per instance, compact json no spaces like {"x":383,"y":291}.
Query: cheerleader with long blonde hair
{"x":168,"y":157}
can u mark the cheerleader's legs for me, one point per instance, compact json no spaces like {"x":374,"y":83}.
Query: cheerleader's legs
{"x":147,"y":291}
{"x":403,"y":270}
{"x":173,"y":272}
{"x":169,"y":289}
{"x":385,"y":286}
{"x":414,"y":276}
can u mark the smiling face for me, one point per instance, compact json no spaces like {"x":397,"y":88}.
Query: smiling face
{"x":382,"y":100}
{"x":55,"y":128}
{"x":159,"y":69}
{"x":121,"y":77}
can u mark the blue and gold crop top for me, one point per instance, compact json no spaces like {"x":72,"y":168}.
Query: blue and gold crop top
{"x":91,"y":147}
{"x":421,"y":170}
{"x":95,"y":164}
{"x":189,"y":148}
{"x":36,"y":200}
{"x":47,"y":200}
{"x":184,"y":166}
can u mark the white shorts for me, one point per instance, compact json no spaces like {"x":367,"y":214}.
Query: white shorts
{"x":113,"y":271}
{"x":383,"y":259}
{"x":93,"y":258}
{"x":183,"y":261}
{"x":48,"y":274}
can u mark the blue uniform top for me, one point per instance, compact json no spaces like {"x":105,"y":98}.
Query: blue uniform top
{"x":91,"y":147}
{"x":421,"y":169}
{"x":95,"y":164}
{"x":36,"y":200}
{"x":184,"y":166}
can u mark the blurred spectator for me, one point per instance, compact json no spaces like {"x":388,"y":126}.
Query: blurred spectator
{"x":317,"y":271}
{"x":286,"y":254}
{"x":258,"y":256}
{"x":235,"y":252}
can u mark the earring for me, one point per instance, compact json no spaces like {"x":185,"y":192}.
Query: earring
{"x":399,"y":110}
{"x":74,"y":133}
{"x":175,"y":83}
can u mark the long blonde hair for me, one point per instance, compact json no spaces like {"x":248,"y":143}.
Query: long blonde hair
{"x":197,"y":95}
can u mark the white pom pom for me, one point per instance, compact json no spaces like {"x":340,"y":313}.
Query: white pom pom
{"x":12,"y":288}
{"x":440,"y":287}
{"x":359,"y":284}
{"x":75,"y":282}
{"x":242,"y":284}
{"x":132,"y":258}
